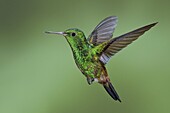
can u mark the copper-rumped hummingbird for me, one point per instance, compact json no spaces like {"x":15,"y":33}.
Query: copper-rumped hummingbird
{"x":92,"y":54}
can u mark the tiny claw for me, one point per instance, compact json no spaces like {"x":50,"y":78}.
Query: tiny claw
{"x":90,"y":80}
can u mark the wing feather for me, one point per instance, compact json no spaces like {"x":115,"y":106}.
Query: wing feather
{"x":118,"y":43}
{"x":103,"y":31}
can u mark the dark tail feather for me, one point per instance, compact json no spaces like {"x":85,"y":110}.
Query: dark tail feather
{"x":112,"y":92}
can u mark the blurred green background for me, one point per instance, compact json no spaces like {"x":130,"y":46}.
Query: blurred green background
{"x":38,"y":73}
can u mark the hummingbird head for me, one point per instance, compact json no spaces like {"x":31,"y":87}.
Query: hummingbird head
{"x":74,"y":34}
{"x":74,"y":37}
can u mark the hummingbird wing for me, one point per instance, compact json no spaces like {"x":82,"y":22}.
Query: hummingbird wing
{"x":103,"y":31}
{"x":118,"y":43}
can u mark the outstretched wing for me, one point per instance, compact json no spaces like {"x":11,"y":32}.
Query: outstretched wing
{"x":103,"y":31}
{"x":118,"y":43}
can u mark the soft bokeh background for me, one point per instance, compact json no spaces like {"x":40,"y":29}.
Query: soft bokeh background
{"x":38,"y":73}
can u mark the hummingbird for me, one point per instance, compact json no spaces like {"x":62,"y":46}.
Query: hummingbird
{"x":93,"y":53}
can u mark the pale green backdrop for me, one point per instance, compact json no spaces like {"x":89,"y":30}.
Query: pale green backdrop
{"x":38,"y":73}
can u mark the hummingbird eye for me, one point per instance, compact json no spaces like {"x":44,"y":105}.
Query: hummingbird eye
{"x":73,"y":34}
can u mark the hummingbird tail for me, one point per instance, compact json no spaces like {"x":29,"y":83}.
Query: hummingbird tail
{"x":112,"y":92}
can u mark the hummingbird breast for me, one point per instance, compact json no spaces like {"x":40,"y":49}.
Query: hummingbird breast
{"x":87,"y":60}
{"x":89,"y":64}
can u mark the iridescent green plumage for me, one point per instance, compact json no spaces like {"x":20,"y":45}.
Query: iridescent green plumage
{"x":93,"y":53}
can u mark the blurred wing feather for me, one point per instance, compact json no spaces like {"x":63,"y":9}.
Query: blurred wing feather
{"x":103,"y":31}
{"x":118,"y":43}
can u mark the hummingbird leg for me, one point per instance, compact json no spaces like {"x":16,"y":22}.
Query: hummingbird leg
{"x":90,"y":80}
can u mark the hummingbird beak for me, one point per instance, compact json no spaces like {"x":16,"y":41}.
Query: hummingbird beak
{"x":59,"y":33}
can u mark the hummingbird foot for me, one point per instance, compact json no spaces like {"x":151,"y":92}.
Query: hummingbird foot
{"x":90,"y":80}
